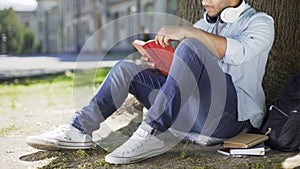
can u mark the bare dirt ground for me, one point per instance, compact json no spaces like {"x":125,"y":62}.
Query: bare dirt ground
{"x":34,"y":118}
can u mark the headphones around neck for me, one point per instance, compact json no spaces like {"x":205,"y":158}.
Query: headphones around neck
{"x":227,"y":15}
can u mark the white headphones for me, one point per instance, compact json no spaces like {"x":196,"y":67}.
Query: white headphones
{"x":227,"y":15}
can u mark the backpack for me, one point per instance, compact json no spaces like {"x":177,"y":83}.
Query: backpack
{"x":283,"y":118}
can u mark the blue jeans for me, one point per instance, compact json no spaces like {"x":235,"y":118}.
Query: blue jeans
{"x":196,"y":96}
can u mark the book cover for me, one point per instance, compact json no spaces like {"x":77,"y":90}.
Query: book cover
{"x":245,"y":140}
{"x":160,"y":56}
{"x":258,"y":150}
{"x":224,"y":151}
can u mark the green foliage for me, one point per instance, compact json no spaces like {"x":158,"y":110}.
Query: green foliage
{"x":11,"y":27}
{"x":29,"y":41}
{"x":19,"y":38}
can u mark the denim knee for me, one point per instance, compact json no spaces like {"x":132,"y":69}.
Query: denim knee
{"x":126,"y":69}
{"x":122,"y":65}
{"x":193,"y":45}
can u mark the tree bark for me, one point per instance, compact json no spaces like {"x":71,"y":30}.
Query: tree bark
{"x":284,"y":58}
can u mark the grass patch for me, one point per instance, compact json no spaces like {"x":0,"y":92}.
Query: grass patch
{"x":5,"y":131}
{"x":77,"y":159}
{"x":99,"y":75}
{"x":89,"y":77}
{"x":19,"y":95}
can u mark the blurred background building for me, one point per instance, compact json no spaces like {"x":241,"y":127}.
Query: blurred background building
{"x":63,"y":26}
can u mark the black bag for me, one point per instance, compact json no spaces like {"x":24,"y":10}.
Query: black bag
{"x":284,"y":118}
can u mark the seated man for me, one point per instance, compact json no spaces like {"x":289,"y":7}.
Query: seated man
{"x":213,"y":90}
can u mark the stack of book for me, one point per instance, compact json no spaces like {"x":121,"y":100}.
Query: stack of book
{"x":245,"y":144}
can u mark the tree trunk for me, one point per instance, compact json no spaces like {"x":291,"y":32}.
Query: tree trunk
{"x":284,"y":58}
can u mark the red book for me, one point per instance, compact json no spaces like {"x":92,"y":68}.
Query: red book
{"x":160,"y":56}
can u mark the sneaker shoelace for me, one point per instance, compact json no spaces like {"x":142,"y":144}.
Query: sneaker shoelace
{"x":61,"y":130}
{"x":138,"y":142}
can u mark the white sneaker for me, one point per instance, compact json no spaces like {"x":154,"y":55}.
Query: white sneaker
{"x":64,"y":137}
{"x":140,"y":146}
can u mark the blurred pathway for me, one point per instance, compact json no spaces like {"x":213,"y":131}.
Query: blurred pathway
{"x":24,"y":66}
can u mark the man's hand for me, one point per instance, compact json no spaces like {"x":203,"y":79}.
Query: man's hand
{"x":147,"y":63}
{"x":166,"y":34}
{"x":215,"y":43}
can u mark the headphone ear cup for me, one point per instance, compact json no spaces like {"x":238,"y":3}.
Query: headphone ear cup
{"x":229,"y":15}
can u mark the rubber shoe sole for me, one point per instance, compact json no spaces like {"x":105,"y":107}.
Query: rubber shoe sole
{"x":128,"y":160}
{"x":60,"y":146}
